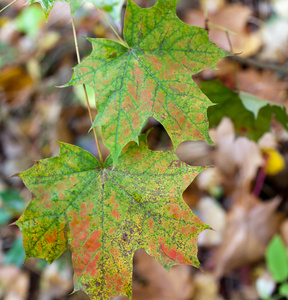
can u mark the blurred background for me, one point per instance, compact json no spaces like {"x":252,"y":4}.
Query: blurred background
{"x":243,"y":197}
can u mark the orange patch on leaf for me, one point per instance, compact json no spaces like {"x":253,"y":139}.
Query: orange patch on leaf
{"x":173,"y":254}
{"x":52,"y":237}
{"x":151,"y":223}
{"x":115,"y":214}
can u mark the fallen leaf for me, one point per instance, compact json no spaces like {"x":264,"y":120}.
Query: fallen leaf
{"x":233,"y":17}
{"x":250,"y":227}
{"x":153,"y":282}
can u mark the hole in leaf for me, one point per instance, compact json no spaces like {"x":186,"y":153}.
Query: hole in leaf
{"x":158,"y":138}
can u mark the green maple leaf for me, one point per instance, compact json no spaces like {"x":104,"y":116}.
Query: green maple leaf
{"x":104,"y":215}
{"x":250,"y":115}
{"x":112,"y":7}
{"x":150,"y":77}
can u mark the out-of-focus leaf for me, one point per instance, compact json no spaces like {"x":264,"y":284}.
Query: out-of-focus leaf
{"x":12,"y":205}
{"x":241,"y":111}
{"x":250,"y":226}
{"x":29,"y":20}
{"x":277,"y":259}
{"x":7,"y":54}
{"x":16,"y":255}
{"x":283,"y":290}
{"x":104,"y":214}
{"x":12,"y":200}
{"x":112,"y":7}
{"x":79,"y":91}
{"x":252,"y":103}
{"x":15,"y":85}
{"x":4,"y":217}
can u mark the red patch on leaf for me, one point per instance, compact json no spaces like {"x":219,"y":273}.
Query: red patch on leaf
{"x":115,"y":214}
{"x":53,"y":237}
{"x":172,"y":254}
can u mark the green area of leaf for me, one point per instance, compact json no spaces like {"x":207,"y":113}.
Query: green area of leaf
{"x":277,"y":259}
{"x":250,"y":115}
{"x":150,"y":76}
{"x":112,"y":7}
{"x":79,"y":92}
{"x":252,"y":103}
{"x":7,"y":54}
{"x":283,"y":290}
{"x":16,"y":254}
{"x":104,"y":214}
{"x":12,"y":205}
{"x":29,"y":20}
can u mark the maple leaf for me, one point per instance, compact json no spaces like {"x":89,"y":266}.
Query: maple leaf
{"x":112,"y":7}
{"x":249,"y":114}
{"x":150,"y":77}
{"x":104,"y":215}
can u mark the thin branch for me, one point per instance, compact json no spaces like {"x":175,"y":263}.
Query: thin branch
{"x":85,"y":91}
{"x":8,"y":5}
{"x":261,"y":65}
{"x":102,"y":15}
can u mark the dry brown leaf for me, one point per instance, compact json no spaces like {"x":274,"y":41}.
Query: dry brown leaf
{"x":284,"y":231}
{"x":205,"y":287}
{"x":237,"y":159}
{"x":248,"y":158}
{"x":250,"y":226}
{"x":195,"y":153}
{"x":192,"y":195}
{"x":265,"y":85}
{"x":275,"y":39}
{"x":234,"y":18}
{"x":211,"y":213}
{"x":14,"y":283}
{"x":212,"y":6}
{"x":153,"y":282}
{"x":15,"y":86}
{"x":56,"y":281}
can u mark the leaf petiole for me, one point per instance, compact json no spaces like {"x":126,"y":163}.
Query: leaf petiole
{"x":113,"y":29}
{"x":85,"y":91}
{"x":8,"y":5}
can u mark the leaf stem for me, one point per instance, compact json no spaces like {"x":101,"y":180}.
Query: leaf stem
{"x":215,"y":26}
{"x":234,"y":63}
{"x":113,"y":29}
{"x":85,"y":91}
{"x":8,"y":5}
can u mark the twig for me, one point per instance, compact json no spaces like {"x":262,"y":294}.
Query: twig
{"x":85,"y":91}
{"x":261,"y":64}
{"x":8,"y":5}
{"x":206,"y":20}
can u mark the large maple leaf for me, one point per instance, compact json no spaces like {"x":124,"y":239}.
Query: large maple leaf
{"x":151,"y":76}
{"x":105,"y":214}
{"x":112,"y":7}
